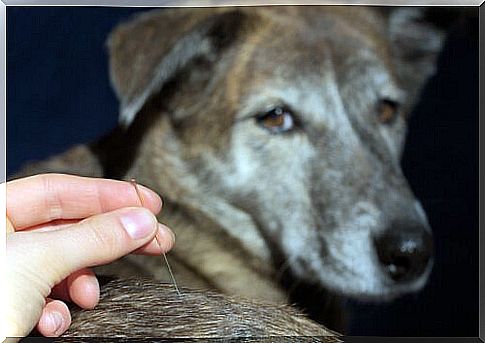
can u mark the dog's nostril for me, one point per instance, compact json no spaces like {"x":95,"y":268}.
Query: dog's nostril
{"x":404,"y":254}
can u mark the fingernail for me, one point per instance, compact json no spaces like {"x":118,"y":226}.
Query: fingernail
{"x":138,"y":222}
{"x":55,"y":322}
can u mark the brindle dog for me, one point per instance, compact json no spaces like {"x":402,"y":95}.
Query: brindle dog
{"x":274,"y":135}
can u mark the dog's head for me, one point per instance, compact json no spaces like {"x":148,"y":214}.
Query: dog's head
{"x":297,"y":116}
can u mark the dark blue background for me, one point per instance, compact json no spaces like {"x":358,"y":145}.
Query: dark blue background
{"x":58,"y":94}
{"x":58,"y":89}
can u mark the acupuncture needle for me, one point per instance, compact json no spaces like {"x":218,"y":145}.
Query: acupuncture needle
{"x":157,"y":238}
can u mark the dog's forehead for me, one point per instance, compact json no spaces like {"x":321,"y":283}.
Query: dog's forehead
{"x":304,"y":59}
{"x":315,"y":39}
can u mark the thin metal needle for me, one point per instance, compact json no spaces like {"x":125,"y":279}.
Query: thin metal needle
{"x":157,"y":238}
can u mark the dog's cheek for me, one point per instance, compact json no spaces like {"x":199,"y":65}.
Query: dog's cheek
{"x":260,"y":159}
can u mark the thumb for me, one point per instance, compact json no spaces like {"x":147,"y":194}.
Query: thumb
{"x":98,"y":240}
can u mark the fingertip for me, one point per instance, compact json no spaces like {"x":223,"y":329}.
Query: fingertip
{"x":151,"y":248}
{"x":55,"y":319}
{"x":166,"y":237}
{"x":151,"y":199}
{"x":84,"y":288}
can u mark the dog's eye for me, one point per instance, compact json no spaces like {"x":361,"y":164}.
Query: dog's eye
{"x":276,"y":120}
{"x":387,"y":111}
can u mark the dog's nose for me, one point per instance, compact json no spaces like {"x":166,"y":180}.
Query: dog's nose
{"x":404,"y":253}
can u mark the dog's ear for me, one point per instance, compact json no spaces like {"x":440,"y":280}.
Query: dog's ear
{"x":417,"y":35}
{"x":149,"y":51}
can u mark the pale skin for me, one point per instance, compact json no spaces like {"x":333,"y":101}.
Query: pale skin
{"x":57,"y":227}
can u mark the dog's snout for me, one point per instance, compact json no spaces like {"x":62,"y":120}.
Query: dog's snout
{"x":404,"y":253}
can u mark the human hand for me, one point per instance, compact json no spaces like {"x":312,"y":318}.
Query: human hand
{"x":57,"y":226}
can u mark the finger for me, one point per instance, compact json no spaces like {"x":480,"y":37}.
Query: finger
{"x":164,"y":243}
{"x":60,"y":196}
{"x":94,"y":241}
{"x":81,"y":287}
{"x":55,"y":319}
{"x":54,"y":225}
{"x":151,"y":248}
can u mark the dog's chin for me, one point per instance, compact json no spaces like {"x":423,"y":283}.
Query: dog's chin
{"x":384,"y":295}
{"x":377,"y":289}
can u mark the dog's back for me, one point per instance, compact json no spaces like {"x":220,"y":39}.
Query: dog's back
{"x":140,"y":307}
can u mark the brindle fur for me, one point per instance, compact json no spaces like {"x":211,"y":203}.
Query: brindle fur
{"x":145,"y":308}
{"x":263,"y":215}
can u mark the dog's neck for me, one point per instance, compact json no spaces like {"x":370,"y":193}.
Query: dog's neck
{"x":207,"y":246}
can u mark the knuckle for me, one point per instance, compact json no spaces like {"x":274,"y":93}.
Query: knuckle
{"x":52,"y":201}
{"x":106,"y":234}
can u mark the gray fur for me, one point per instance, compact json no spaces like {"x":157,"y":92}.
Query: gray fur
{"x":144,"y":308}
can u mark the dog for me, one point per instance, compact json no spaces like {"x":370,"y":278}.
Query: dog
{"x":274,"y":135}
